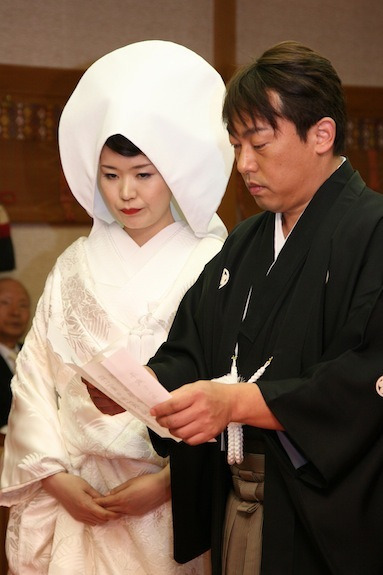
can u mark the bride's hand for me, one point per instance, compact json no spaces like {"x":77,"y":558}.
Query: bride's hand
{"x":102,"y":401}
{"x":78,"y":498}
{"x":139,"y":495}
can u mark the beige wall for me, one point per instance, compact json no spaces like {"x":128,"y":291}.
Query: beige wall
{"x":74,"y":33}
{"x":348,"y":32}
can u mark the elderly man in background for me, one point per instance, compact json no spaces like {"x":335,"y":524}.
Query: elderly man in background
{"x":15,"y":308}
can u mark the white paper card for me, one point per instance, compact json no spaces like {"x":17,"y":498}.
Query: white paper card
{"x":117,"y":374}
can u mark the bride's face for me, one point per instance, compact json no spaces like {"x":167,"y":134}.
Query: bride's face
{"x":135,"y":193}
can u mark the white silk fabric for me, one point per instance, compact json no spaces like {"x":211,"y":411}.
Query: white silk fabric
{"x":104,"y":288}
{"x":55,"y":426}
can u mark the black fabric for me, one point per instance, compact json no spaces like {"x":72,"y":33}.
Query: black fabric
{"x":319,"y":313}
{"x":5,"y":391}
{"x":7,"y":254}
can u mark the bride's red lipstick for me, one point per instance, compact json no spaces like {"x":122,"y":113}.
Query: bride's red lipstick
{"x":130,"y":212}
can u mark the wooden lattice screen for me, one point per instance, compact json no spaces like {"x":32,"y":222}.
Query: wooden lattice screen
{"x":32,"y":186}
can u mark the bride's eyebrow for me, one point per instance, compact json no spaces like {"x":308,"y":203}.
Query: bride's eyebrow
{"x":138,"y":166}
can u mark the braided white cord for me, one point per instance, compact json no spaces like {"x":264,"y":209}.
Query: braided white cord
{"x":260,"y":371}
{"x":234,"y":430}
{"x":234,"y":443}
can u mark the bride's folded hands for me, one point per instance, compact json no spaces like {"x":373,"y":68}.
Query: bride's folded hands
{"x":139,"y":495}
{"x":78,"y":497}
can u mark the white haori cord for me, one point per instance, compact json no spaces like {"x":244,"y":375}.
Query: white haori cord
{"x":234,"y":429}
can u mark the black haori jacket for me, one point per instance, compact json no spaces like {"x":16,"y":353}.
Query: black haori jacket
{"x":319,"y":313}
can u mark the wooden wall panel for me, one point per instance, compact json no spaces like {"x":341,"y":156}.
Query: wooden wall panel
{"x":32,"y":186}
{"x":225,"y":49}
{"x":365,"y":133}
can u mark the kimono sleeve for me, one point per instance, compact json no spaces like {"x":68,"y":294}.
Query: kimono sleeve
{"x":34,"y":448}
{"x":335,"y":416}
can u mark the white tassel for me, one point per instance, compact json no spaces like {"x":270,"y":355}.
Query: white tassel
{"x":234,"y":429}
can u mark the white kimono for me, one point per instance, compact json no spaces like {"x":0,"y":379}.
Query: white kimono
{"x":101,"y":288}
{"x":167,"y":100}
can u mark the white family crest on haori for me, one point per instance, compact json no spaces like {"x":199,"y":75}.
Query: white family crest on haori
{"x":379,"y":386}
{"x":224,"y":278}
